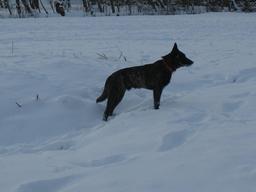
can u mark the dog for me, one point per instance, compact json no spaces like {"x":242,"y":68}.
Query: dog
{"x":153,"y":76}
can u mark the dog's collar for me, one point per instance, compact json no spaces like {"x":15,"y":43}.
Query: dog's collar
{"x":167,"y":66}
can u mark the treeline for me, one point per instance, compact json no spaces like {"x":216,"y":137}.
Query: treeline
{"x":170,"y":6}
{"x":123,"y":7}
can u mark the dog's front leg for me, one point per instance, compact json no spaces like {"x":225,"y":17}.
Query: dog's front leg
{"x":157,"y":95}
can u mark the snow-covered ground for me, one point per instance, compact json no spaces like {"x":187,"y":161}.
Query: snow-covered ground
{"x":202,"y":139}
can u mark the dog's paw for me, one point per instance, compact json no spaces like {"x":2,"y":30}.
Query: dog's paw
{"x":105,"y":118}
{"x":156,"y":105}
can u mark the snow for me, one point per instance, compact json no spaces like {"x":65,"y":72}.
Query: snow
{"x":201,"y":139}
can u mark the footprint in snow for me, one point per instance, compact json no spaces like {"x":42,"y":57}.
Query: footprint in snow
{"x":71,"y":102}
{"x":246,"y":75}
{"x":104,"y":161}
{"x":49,"y":185}
{"x":174,"y":139}
{"x":240,"y":95}
{"x":230,"y":107}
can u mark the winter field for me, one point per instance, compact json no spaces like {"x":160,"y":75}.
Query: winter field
{"x":202,"y":139}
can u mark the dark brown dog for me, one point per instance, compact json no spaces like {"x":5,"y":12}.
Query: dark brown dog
{"x":153,"y":76}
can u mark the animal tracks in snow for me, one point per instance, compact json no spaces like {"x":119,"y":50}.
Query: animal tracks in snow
{"x":229,"y":107}
{"x":245,"y":75}
{"x":105,"y":161}
{"x":50,"y":185}
{"x":174,"y":139}
{"x":177,"y":138}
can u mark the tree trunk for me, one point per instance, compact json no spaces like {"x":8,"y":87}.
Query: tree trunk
{"x":26,"y":5}
{"x":129,"y":6}
{"x":100,"y":6}
{"x":18,"y":7}
{"x":8,"y":6}
{"x":43,"y":7}
{"x":86,"y":6}
{"x":193,"y":7}
{"x":67,"y":5}
{"x":152,"y":4}
{"x":34,"y":4}
{"x":160,"y":3}
{"x":112,"y":6}
{"x":235,"y":5}
{"x":118,"y":7}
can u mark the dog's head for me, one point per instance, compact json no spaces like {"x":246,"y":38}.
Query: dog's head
{"x":177,"y":59}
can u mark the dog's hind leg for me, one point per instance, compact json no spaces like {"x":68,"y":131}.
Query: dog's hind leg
{"x":113,"y":100}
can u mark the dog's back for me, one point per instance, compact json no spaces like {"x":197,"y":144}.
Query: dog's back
{"x":145,"y":76}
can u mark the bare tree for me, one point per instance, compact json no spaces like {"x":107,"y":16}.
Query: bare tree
{"x":8,"y":6}
{"x":112,"y":6}
{"x":99,"y":3}
{"x":27,"y":6}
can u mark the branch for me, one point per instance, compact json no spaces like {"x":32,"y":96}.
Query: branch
{"x":102,"y":56}
{"x":19,"y":105}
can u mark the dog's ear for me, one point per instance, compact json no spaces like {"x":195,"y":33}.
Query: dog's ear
{"x":175,"y":48}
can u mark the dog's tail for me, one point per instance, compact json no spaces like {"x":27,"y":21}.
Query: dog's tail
{"x":103,"y":96}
